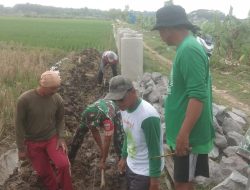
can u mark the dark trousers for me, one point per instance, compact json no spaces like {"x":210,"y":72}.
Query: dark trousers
{"x":100,"y":73}
{"x":137,"y":182}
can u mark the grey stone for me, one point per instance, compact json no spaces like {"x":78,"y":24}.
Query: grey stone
{"x":146,"y":78}
{"x":214,"y":153}
{"x":231,"y":125}
{"x":156,"y":76}
{"x":216,"y":125}
{"x":8,"y":162}
{"x":239,"y":113}
{"x":237,"y":118}
{"x":147,"y":91}
{"x":228,"y":164}
{"x":230,"y":150}
{"x":149,"y":83}
{"x":154,"y":96}
{"x":218,"y":109}
{"x":234,"y":138}
{"x":233,"y":182}
{"x":220,"y":141}
{"x":216,"y":175}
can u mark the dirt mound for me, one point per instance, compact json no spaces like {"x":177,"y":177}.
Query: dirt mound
{"x":78,"y":90}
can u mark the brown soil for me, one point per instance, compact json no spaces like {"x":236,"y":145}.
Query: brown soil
{"x":78,"y":90}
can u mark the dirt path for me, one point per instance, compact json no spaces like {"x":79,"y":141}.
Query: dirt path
{"x":223,"y":94}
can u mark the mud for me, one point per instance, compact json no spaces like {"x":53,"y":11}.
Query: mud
{"x":78,"y":90}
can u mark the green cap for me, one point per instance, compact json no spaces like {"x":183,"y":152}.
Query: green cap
{"x":118,"y":87}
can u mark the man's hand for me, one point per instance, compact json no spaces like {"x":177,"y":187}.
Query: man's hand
{"x":22,"y":155}
{"x":61,"y":143}
{"x":182,"y":144}
{"x":102,"y":164}
{"x":154,"y":184}
{"x":122,"y":165}
{"x":193,"y":113}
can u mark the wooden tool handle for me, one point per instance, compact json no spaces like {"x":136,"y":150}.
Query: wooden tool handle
{"x":102,"y":179}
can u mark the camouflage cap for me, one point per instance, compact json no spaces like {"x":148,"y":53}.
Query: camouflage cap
{"x":118,"y":87}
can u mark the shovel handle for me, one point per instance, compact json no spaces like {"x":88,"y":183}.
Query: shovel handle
{"x":165,"y":155}
{"x":102,"y":179}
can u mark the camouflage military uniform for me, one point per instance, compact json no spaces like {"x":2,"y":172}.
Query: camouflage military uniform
{"x":94,"y":116}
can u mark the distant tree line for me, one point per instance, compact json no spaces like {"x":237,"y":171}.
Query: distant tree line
{"x":33,"y":10}
{"x":231,"y":35}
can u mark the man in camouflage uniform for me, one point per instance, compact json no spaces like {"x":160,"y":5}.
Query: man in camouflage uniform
{"x":101,"y":114}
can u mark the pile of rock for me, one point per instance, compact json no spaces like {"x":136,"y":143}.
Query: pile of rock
{"x":227,"y":169}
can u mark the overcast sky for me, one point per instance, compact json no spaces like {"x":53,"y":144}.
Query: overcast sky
{"x":240,"y":7}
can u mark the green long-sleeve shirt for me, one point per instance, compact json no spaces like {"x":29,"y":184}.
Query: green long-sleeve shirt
{"x":38,"y":117}
{"x":189,"y":78}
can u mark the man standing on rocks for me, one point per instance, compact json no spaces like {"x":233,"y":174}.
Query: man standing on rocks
{"x":143,"y":141}
{"x":39,"y":132}
{"x":102,"y":114}
{"x":109,"y":58}
{"x":188,"y":106}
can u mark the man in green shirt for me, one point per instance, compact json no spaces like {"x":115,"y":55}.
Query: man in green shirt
{"x":144,"y":139}
{"x":39,"y":132}
{"x":188,"y":106}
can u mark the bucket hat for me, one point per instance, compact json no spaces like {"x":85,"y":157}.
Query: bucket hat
{"x":170,"y":16}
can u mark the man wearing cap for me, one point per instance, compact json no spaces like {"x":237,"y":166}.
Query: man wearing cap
{"x":39,"y":132}
{"x":188,"y":106}
{"x":143,"y":140}
{"x":102,"y":114}
{"x":109,"y":58}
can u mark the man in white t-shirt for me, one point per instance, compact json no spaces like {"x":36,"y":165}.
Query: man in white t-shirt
{"x":143,"y":136}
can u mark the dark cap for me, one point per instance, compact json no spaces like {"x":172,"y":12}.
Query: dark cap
{"x":118,"y":87}
{"x":171,"y":16}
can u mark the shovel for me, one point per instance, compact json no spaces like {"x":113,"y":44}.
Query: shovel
{"x":102,"y":179}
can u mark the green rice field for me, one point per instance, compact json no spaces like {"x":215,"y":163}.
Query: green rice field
{"x":65,"y":34}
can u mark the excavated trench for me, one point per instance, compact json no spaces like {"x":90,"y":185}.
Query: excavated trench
{"x":78,"y":90}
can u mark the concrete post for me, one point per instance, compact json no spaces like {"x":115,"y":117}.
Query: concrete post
{"x":132,"y":55}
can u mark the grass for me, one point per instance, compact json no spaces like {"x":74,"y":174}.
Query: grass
{"x":20,"y":71}
{"x":29,"y":46}
{"x":66,"y":34}
{"x":235,"y":81}
{"x":151,"y":64}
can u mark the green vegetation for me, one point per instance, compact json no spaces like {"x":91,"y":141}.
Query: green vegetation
{"x":151,"y":64}
{"x":20,"y":70}
{"x":29,"y":46}
{"x":230,"y":62}
{"x":65,"y":34}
